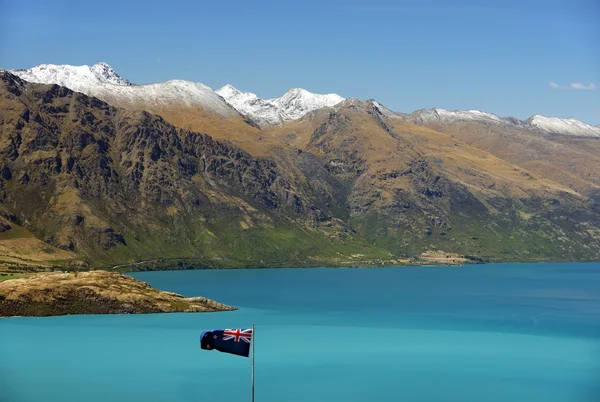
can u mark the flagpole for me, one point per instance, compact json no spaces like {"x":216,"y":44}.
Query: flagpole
{"x":252,"y":338}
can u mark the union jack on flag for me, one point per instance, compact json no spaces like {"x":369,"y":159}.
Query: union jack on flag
{"x":234,"y":341}
{"x":243,"y":335}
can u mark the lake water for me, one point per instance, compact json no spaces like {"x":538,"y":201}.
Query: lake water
{"x":493,"y":333}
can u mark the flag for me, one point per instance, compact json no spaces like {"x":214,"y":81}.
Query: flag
{"x":234,"y":341}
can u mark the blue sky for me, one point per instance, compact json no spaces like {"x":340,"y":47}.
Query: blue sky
{"x":511,"y":57}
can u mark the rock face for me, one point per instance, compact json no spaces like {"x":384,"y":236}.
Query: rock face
{"x":4,"y":227}
{"x":95,"y":292}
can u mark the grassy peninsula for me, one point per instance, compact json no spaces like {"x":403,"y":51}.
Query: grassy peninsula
{"x":93,"y":292}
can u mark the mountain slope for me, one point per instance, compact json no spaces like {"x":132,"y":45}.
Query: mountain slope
{"x":567,"y":159}
{"x":116,"y":186}
{"x":411,"y":189}
{"x":186,"y":104}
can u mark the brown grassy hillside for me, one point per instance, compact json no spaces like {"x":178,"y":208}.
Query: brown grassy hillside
{"x":95,"y":292}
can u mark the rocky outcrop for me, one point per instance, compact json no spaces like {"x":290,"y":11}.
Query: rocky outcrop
{"x":4,"y":227}
{"x":94,"y":292}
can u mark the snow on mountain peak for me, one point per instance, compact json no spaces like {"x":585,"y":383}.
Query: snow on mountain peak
{"x":103,"y":82}
{"x":294,"y":104}
{"x":297,"y":102}
{"x":228,"y":91}
{"x":569,"y":126}
{"x":439,"y":115}
{"x":259,"y":110}
{"x":77,"y":78}
{"x":107,"y":74}
{"x":536,"y":123}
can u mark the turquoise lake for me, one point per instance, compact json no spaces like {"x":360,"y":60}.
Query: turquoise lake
{"x":493,"y":333}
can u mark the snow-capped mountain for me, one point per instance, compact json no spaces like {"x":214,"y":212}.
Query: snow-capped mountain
{"x":297,"y":102}
{"x":443,"y":116}
{"x":261,"y":111}
{"x":101,"y":81}
{"x":568,"y":126}
{"x":291,"y":106}
{"x":536,"y":123}
{"x":79,"y":77}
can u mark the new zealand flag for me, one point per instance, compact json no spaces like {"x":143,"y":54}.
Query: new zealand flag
{"x":234,"y":341}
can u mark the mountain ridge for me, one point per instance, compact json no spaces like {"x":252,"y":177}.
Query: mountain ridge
{"x":101,"y":81}
{"x":536,"y":123}
{"x":354,"y":183}
{"x":117,"y":186}
{"x":294,"y":104}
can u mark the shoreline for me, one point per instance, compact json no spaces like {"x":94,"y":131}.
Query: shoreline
{"x":354,"y":266}
{"x":449,"y":266}
{"x":163,"y":266}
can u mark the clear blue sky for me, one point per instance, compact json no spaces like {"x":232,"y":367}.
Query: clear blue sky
{"x":497,"y":56}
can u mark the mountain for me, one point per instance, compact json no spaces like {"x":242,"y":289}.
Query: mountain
{"x":567,"y":159}
{"x":570,"y":126}
{"x":263,"y":112}
{"x":81,"y":77}
{"x":114,"y":186}
{"x":297,"y":102}
{"x":443,"y":116}
{"x":536,"y":123}
{"x":411,"y":189}
{"x":101,"y":81}
{"x":385,"y":112}
{"x":291,"y":106}
{"x":191,"y":105}
{"x":349,"y":184}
